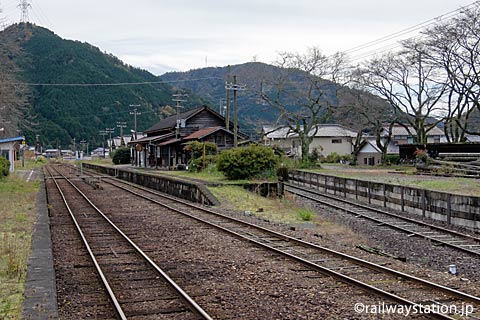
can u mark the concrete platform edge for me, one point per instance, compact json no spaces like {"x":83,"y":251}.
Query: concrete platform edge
{"x":40,"y":286}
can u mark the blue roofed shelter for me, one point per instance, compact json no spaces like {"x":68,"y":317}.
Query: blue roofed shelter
{"x":8,"y":148}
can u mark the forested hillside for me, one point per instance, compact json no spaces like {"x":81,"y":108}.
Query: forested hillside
{"x":58,"y":111}
{"x":258,"y":77}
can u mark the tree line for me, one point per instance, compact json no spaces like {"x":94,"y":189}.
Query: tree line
{"x":432,"y":79}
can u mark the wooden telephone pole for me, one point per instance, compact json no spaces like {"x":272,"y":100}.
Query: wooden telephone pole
{"x":235,"y":87}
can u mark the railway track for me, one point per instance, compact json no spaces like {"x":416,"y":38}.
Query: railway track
{"x":393,"y":286}
{"x":410,"y":227}
{"x":136,"y":286}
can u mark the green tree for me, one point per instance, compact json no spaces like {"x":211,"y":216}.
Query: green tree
{"x":121,"y":156}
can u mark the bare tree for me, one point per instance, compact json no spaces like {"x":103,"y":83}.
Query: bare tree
{"x":306,"y":92}
{"x":454,"y":47}
{"x":410,"y":85}
{"x":13,"y":105}
{"x":14,"y":96}
{"x":375,"y":117}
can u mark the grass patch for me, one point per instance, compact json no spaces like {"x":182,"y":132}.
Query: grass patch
{"x":455,"y":185}
{"x":279,"y":210}
{"x":17,"y":214}
{"x":205,"y":175}
{"x":305,"y":214}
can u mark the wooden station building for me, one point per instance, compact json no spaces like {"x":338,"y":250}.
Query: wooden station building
{"x":163,"y":144}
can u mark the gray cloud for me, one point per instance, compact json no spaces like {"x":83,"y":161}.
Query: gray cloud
{"x":178,"y":35}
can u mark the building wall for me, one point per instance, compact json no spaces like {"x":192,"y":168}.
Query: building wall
{"x":7,"y":151}
{"x":202,"y":120}
{"x":221,"y":139}
{"x":369,"y":158}
{"x":328,"y":145}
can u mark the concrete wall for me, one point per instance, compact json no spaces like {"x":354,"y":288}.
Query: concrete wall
{"x":183,"y":189}
{"x":453,"y":209}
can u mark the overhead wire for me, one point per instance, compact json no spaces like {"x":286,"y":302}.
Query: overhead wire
{"x":111,"y":84}
{"x":419,"y":26}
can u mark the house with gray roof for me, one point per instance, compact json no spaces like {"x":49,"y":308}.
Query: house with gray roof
{"x":327,"y":139}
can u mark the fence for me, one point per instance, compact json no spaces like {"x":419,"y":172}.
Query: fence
{"x":459,"y":210}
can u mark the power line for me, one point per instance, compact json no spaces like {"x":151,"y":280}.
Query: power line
{"x":110,"y":84}
{"x":405,"y":31}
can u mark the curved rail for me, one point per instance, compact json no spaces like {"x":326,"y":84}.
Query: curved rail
{"x":192,"y":305}
{"x":290,"y":252}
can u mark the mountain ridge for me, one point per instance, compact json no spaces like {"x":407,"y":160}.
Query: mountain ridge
{"x":261,"y":77}
{"x":60,"y":113}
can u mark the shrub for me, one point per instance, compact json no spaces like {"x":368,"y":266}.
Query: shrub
{"x":336,"y":158}
{"x":393,"y":159}
{"x":195,"y":148}
{"x":305,"y":214}
{"x":121,"y":156}
{"x":246,"y":162}
{"x":41,"y":159}
{"x":4,"y":167}
{"x":314,"y":156}
{"x":196,"y":165}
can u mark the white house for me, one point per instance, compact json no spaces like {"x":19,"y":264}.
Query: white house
{"x":370,"y":154}
{"x":328,"y":139}
{"x":400,"y":135}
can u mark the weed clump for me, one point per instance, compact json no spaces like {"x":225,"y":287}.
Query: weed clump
{"x":305,"y":214}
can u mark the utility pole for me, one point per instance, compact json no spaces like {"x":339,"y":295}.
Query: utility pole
{"x":227,"y":99}
{"x":221,"y":107}
{"x":121,"y":125}
{"x":103,"y":133}
{"x":110,"y":131}
{"x":37,"y":146}
{"x":235,"y":87}
{"x":178,"y":98}
{"x":135,"y":113}
{"x":84,"y":143}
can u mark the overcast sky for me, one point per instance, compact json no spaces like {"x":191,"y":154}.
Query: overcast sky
{"x":179,"y":35}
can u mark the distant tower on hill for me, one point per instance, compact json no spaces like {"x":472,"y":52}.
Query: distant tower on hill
{"x":24,"y":5}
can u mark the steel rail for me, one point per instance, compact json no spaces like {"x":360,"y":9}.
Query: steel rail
{"x":105,"y":283}
{"x":389,"y":224}
{"x":324,"y":270}
{"x":192,"y":305}
{"x":387,"y":213}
